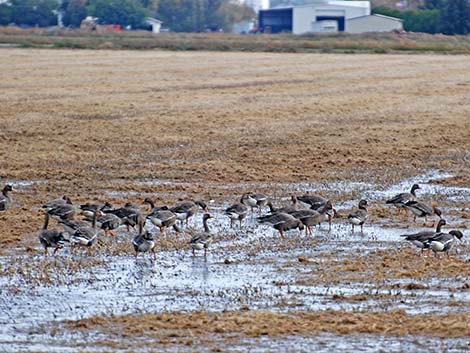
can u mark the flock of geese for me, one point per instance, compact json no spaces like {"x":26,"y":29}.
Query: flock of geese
{"x":305,"y":211}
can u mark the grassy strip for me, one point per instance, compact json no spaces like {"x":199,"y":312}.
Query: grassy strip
{"x":164,"y":326}
{"x":346,"y":43}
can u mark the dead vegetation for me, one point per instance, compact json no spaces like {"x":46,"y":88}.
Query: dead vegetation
{"x":178,"y":327}
{"x":95,"y":125}
{"x":379,"y":266}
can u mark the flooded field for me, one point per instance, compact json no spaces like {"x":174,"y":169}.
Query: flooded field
{"x":120,"y":126}
{"x":248,"y":269}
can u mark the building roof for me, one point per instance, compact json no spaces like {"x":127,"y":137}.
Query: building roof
{"x":151,"y":20}
{"x":376,"y":15}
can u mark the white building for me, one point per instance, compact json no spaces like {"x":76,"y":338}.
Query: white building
{"x":326,"y":16}
{"x":154,"y":23}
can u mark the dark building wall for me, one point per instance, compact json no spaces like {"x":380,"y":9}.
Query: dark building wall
{"x":275,"y":20}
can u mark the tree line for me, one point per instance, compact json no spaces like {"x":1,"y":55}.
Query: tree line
{"x":177,"y":15}
{"x":434,"y":16}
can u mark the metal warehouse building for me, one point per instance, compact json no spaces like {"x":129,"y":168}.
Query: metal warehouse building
{"x":326,"y":16}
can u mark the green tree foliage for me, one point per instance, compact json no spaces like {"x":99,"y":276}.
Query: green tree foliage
{"x":434,"y":4}
{"x":202,"y":15}
{"x":122,"y":12}
{"x":427,"y":21}
{"x":31,"y":12}
{"x":456,"y":17}
{"x":6,"y":13}
{"x":74,"y":11}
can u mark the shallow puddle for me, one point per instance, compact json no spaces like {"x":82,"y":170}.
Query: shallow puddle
{"x":250,"y":268}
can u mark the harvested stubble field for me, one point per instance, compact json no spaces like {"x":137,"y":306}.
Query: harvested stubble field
{"x":123,"y":125}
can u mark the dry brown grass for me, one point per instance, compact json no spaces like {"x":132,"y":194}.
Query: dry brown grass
{"x":92,"y":122}
{"x":379,"y":266}
{"x":164,"y":327}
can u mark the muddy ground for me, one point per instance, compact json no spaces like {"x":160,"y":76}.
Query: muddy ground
{"x":118,"y":126}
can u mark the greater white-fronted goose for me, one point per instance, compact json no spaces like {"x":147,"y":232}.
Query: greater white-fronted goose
{"x":312,"y":201}
{"x":161,"y":217}
{"x":254,"y":200}
{"x":282,"y":222}
{"x":318,"y":203}
{"x":358,"y":217}
{"x":144,"y":242}
{"x":89,"y":209}
{"x":237,"y":211}
{"x":85,"y":236}
{"x":286,"y":209}
{"x":58,"y":202}
{"x":51,"y":238}
{"x":444,"y":242}
{"x":130,"y":215}
{"x":62,"y":212}
{"x":421,"y":239}
{"x":420,"y":209}
{"x":401,"y":199}
{"x":203,"y":240}
{"x":185,"y":210}
{"x":108,"y":222}
{"x":5,"y":198}
{"x":311,"y":217}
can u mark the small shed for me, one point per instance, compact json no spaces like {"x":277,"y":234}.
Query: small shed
{"x":373,"y":23}
{"x":154,"y":23}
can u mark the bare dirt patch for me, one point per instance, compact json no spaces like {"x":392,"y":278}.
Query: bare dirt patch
{"x":90,"y":122}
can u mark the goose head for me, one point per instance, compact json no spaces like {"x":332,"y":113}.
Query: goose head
{"x":202,"y":205}
{"x":456,"y":233}
{"x":362,"y":204}
{"x":8,"y":188}
{"x":414,"y":187}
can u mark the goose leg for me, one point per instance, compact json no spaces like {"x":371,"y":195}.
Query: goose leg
{"x":154,"y":254}
{"x":45,"y":252}
{"x":135,"y":255}
{"x":55,"y":250}
{"x":282,"y":233}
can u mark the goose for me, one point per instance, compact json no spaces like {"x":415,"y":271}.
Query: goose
{"x":420,"y":239}
{"x":5,"y":198}
{"x":286,"y":209}
{"x":312,"y":201}
{"x":444,"y":242}
{"x":254,"y":200}
{"x":63,"y":212}
{"x":186,"y":210}
{"x":108,"y":222}
{"x":51,"y":238}
{"x":310,"y":217}
{"x":317,"y":203}
{"x":130,"y":215}
{"x":85,"y":235}
{"x":401,"y":199}
{"x":144,"y":242}
{"x":237,"y":211}
{"x":281,"y":222}
{"x":161,"y":217}
{"x":202,"y":240}
{"x":58,"y":202}
{"x":358,"y":217}
{"x":89,"y":209}
{"x":420,"y":209}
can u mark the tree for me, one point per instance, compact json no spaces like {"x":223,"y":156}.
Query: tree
{"x":74,"y":11}
{"x":6,"y":13}
{"x":39,"y":13}
{"x":434,"y":4}
{"x":122,"y":12}
{"x":427,"y":21}
{"x":456,"y":17}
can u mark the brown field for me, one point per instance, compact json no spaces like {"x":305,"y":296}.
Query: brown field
{"x":88,"y":122}
{"x":100,"y":125}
